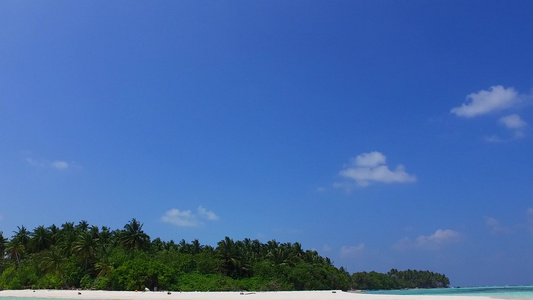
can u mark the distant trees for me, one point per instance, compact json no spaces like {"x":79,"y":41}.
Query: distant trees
{"x":3,"y":243}
{"x":85,"y":256}
{"x":40,"y":239}
{"x":133,"y":237}
{"x":395,"y":279}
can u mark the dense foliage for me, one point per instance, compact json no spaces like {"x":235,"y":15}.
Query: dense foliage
{"x":89,"y":257}
{"x":395,"y":279}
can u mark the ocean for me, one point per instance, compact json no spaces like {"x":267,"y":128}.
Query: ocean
{"x":505,"y":292}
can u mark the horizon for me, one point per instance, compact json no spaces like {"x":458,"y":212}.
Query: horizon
{"x":381,"y":134}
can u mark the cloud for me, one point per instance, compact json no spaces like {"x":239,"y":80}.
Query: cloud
{"x":325,"y":248}
{"x":484,"y":102}
{"x":60,"y":165}
{"x":371,"y":167}
{"x":495,"y":99}
{"x":439,"y":239}
{"x":513,"y":122}
{"x":495,"y":226}
{"x":524,"y":225}
{"x":43,"y":163}
{"x":187,"y":218}
{"x":207,"y":214}
{"x":347,"y":251}
{"x":371,"y":159}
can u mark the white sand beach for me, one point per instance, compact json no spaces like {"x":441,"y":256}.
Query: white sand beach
{"x":300,"y":295}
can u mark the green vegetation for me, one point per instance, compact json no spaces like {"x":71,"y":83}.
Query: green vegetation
{"x":89,"y":257}
{"x":396,"y":280}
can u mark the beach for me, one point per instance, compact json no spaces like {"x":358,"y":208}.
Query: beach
{"x":297,"y":295}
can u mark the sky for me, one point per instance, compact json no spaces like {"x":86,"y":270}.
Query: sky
{"x":382,"y":134}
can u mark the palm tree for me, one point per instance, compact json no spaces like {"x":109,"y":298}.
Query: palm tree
{"x":40,"y":239}
{"x":183,"y":246}
{"x":196,"y":247}
{"x":157,"y":245}
{"x":52,"y":261}
{"x":312,"y":257}
{"x":104,"y":267}
{"x":3,"y":244}
{"x":85,"y":247}
{"x":247,"y":244}
{"x":82,"y":226}
{"x":54,"y":231}
{"x":15,"y":249}
{"x":170,"y":246}
{"x":133,"y":237}
{"x":269,"y":246}
{"x":256,"y":247}
{"x":22,"y":235}
{"x":228,"y":252}
{"x":298,"y":251}
{"x":67,"y":226}
{"x":280,"y":256}
{"x":65,"y":237}
{"x":104,"y":236}
{"x":208,"y":249}
{"x":95,"y":231}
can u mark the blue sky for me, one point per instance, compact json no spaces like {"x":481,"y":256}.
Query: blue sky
{"x":383,"y":134}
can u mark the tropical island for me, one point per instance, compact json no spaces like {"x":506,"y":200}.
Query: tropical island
{"x":89,"y":257}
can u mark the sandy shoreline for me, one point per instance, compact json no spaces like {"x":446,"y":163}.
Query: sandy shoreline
{"x":300,"y":295}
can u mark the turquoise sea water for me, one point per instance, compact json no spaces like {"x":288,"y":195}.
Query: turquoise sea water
{"x":504,"y":292}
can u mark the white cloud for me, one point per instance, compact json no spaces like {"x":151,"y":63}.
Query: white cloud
{"x":495,"y":226}
{"x":484,"y":102}
{"x":371,"y":159}
{"x":513,"y":121}
{"x":60,"y":165}
{"x":434,"y":241}
{"x":439,"y":238}
{"x":352,"y":250}
{"x":326,"y":248}
{"x":43,"y":163}
{"x":187,"y":218}
{"x":180,"y":218}
{"x":371,"y":167}
{"x":207,"y":214}
{"x":497,"y":98}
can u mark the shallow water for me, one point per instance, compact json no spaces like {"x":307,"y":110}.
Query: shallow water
{"x":506,"y":292}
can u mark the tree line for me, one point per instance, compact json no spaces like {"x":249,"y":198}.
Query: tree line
{"x":395,"y":280}
{"x":90,"y":257}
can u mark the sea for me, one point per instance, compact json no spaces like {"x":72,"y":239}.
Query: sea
{"x":502,"y":292}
